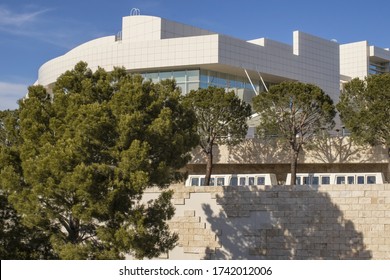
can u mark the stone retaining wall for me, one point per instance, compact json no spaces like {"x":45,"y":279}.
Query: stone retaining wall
{"x":281,"y":222}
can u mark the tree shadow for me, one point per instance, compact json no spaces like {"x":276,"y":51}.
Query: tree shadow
{"x":282,"y":222}
{"x":198,"y":156}
{"x":341,"y":149}
{"x":268,"y":150}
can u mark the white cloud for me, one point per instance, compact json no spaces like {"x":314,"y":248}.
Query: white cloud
{"x":9,"y":18}
{"x":10,"y":93}
{"x":39,"y":24}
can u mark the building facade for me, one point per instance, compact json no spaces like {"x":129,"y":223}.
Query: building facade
{"x":160,"y":49}
{"x":359,"y":59}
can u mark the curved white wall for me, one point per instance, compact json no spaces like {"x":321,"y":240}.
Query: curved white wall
{"x":151,"y":43}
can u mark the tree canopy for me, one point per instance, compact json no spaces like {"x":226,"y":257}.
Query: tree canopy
{"x":365,"y":110}
{"x":84,"y":156}
{"x":294,"y":112}
{"x":221,"y":119}
{"x":17,"y":241}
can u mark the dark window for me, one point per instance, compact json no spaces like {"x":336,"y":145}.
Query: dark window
{"x":234,"y":181}
{"x":340,"y":180}
{"x":261,"y":180}
{"x":325,"y":180}
{"x":371,"y":180}
{"x":195,"y":182}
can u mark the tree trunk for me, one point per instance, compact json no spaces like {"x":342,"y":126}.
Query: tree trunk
{"x":209,"y":167}
{"x":388,"y":165}
{"x":294,"y":163}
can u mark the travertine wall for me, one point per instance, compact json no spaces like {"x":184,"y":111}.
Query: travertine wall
{"x":327,"y":150}
{"x":332,"y":154}
{"x":281,"y":222}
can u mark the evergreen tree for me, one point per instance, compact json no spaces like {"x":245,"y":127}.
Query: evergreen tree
{"x":221,"y":119}
{"x":294,"y":112}
{"x":87,"y":153}
{"x":16,"y":240}
{"x":365,"y":110}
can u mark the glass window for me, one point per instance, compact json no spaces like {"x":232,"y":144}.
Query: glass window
{"x":251,"y":181}
{"x":340,"y":180}
{"x":306,"y":180}
{"x":360,"y":180}
{"x":212,"y":181}
{"x":234,"y":181}
{"x":371,"y":180}
{"x":261,"y":180}
{"x":192,"y":86}
{"x":242,"y":181}
{"x":351,"y":180}
{"x":239,"y":84}
{"x":193,"y":75}
{"x":194,"y":181}
{"x":203,"y":85}
{"x":179,"y":76}
{"x":315,"y":180}
{"x":182,"y":88}
{"x":151,"y":76}
{"x":204,"y":79}
{"x":220,"y":181}
{"x":202,"y":181}
{"x":325,"y":180}
{"x":297,"y":180}
{"x":165,"y":75}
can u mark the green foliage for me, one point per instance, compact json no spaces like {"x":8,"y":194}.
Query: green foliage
{"x":294,"y":112}
{"x":87,"y":153}
{"x":221,"y":118}
{"x":17,"y":241}
{"x":365,"y":109}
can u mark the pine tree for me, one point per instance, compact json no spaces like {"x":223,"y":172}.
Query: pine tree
{"x":88,"y":151}
{"x":221,"y":119}
{"x":294,"y":112}
{"x":365,"y":110}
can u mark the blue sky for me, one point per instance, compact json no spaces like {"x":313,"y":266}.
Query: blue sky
{"x":33,"y":32}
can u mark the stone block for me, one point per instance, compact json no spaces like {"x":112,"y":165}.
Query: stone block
{"x":257,"y":252}
{"x":378,"y":214}
{"x":371,"y":193}
{"x":385,"y":193}
{"x":357,"y":193}
{"x":351,"y":214}
{"x":364,"y":200}
{"x":189,"y":213}
{"x":365,"y":214}
{"x":352,"y":200}
{"x":178,"y":201}
{"x":378,"y":240}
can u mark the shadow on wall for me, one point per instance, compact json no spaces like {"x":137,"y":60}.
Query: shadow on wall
{"x":198,"y":155}
{"x":259,"y":151}
{"x":342,"y":149}
{"x":282,"y":222}
{"x":326,"y":149}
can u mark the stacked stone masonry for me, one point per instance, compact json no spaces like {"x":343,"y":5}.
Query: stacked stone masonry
{"x":281,"y":222}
